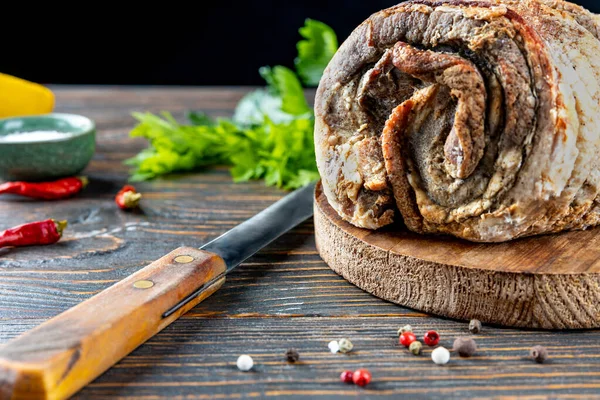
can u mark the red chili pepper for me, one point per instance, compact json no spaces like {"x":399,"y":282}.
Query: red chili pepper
{"x":56,"y":190}
{"x":128,"y":198}
{"x":35,"y":233}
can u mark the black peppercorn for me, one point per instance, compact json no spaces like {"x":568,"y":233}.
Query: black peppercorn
{"x":475,"y":326}
{"x":292,"y":355}
{"x":539,"y":354}
{"x":464,"y":346}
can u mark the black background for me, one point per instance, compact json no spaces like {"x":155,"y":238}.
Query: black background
{"x":169,"y":43}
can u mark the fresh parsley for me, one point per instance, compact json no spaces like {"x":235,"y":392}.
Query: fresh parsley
{"x":270,"y":136}
{"x":315,"y":52}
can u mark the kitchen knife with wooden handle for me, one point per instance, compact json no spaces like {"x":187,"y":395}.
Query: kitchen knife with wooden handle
{"x":62,"y":355}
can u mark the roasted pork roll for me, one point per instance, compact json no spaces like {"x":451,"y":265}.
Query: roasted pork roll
{"x":478,"y":119}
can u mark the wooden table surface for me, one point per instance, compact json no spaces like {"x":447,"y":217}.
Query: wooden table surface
{"x":283,"y":297}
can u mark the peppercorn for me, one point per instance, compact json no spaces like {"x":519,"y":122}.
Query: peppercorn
{"x":292,"y":355}
{"x":431,"y":338}
{"x":334,"y":347}
{"x":346,"y":377}
{"x":405,"y":328}
{"x":440,"y":355}
{"x":464,"y":346}
{"x":475,"y":326}
{"x":245,"y":363}
{"x":361,"y":377}
{"x":415,"y":347}
{"x":539,"y":354}
{"x":345,"y":345}
{"x":407,"y":338}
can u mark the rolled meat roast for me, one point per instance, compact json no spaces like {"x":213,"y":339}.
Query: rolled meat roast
{"x":478,"y":119}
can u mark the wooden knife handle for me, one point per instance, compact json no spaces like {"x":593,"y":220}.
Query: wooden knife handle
{"x":59,"y":357}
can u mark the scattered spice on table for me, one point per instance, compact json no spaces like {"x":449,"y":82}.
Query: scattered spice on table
{"x":464,"y":346}
{"x":346,"y":377}
{"x":55,"y":190}
{"x":431,"y":338}
{"x":539,"y":354}
{"x":440,"y":355}
{"x":128,"y":198}
{"x":34,"y":233}
{"x":292,"y":355}
{"x":361,"y":377}
{"x":334,"y":346}
{"x":415,"y":347}
{"x":245,"y":363}
{"x":407,"y":338}
{"x":345,"y":346}
{"x":475,"y":326}
{"x":405,"y":328}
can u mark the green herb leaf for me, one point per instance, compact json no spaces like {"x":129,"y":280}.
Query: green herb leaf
{"x":284,"y":83}
{"x":315,"y":52}
{"x":199,"y":118}
{"x":281,"y":153}
{"x":270,"y":136}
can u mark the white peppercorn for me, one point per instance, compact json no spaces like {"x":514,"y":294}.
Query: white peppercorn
{"x":405,"y":328}
{"x":245,"y":362}
{"x":440,"y":355}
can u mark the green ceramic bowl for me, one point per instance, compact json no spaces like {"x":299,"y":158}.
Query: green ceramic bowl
{"x":46,"y":158}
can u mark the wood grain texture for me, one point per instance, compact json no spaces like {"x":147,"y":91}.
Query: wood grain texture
{"x":59,"y":357}
{"x":550,"y":282}
{"x":285,"y":296}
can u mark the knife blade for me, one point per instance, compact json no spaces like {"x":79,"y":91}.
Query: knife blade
{"x":243,"y":241}
{"x":62,"y":355}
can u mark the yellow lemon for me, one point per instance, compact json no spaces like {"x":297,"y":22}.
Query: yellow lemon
{"x":19,"y":97}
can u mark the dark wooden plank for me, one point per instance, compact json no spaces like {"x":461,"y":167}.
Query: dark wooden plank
{"x":285,"y":296}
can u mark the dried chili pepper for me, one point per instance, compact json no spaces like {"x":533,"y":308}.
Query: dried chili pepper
{"x":55,"y":190}
{"x":35,"y":233}
{"x":128,"y":198}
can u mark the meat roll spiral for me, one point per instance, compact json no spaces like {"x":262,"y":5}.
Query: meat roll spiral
{"x":479,"y":119}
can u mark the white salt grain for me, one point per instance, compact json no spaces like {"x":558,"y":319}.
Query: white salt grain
{"x":33,"y":136}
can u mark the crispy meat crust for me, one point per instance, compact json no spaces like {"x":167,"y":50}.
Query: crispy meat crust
{"x":477,"y":119}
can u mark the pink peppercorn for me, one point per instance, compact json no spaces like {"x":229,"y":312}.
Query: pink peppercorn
{"x":346,"y":376}
{"x":407,"y":338}
{"x":361,"y":377}
{"x":431,"y":338}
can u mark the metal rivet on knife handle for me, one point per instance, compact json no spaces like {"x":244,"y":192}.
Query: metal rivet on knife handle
{"x":143,"y":284}
{"x":56,"y":360}
{"x":184,"y":259}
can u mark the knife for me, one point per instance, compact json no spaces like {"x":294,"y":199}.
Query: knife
{"x":62,"y":355}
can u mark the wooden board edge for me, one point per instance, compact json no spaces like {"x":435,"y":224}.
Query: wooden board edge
{"x":554,"y":302}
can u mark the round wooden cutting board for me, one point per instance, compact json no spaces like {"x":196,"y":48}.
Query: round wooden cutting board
{"x":550,"y":282}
